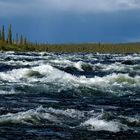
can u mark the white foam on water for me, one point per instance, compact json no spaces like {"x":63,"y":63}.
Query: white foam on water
{"x":48,"y":74}
{"x":47,"y":116}
{"x":117,"y":67}
{"x":42,"y":116}
{"x":110,"y":80}
{"x":135,"y":119}
{"x":121,"y":57}
{"x":5,"y":92}
{"x":13,"y":76}
{"x":98,"y":125}
{"x":9,"y":52}
{"x":29,"y":117}
{"x":72,"y":113}
{"x":78,"y":65}
{"x":67,"y":63}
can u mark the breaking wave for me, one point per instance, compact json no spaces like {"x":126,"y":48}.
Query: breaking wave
{"x":99,"y":125}
{"x":46,"y":74}
{"x":50,"y":116}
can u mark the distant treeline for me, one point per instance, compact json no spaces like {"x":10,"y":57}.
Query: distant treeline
{"x":20,"y":43}
{"x":18,"y":40}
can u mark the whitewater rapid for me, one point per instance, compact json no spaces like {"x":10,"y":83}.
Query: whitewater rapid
{"x":82,"y":93}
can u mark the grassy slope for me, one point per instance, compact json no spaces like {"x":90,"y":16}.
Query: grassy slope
{"x":8,"y":47}
{"x":102,"y":48}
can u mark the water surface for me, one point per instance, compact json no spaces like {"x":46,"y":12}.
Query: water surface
{"x":69,"y":96}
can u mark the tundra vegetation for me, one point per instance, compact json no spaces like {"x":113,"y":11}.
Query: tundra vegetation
{"x":20,"y":43}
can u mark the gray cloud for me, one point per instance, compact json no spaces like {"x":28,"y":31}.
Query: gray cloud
{"x":27,"y":7}
{"x":15,"y":7}
{"x":94,"y":5}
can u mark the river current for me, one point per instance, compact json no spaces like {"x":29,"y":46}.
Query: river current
{"x":69,"y":96}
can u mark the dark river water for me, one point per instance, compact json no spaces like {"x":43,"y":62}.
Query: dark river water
{"x":69,"y":96}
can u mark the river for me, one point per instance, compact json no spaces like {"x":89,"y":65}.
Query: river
{"x":69,"y":96}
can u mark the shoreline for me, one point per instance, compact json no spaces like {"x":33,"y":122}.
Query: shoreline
{"x":73,"y":48}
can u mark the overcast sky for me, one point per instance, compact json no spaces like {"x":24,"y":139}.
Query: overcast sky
{"x":73,"y":21}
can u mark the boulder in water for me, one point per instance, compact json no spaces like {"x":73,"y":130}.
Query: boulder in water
{"x":87,"y":67}
{"x":128,"y":62}
{"x":34,"y":74}
{"x":70,"y":69}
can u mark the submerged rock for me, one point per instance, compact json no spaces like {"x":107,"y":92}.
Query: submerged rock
{"x":70,"y":69}
{"x":34,"y":74}
{"x":87,"y":67}
{"x":128,"y":62}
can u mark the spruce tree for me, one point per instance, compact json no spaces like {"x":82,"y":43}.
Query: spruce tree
{"x":21,"y":40}
{"x":25,"y":41}
{"x":17,"y":41}
{"x":3,"y":34}
{"x":10,"y":34}
{"x":0,"y":34}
